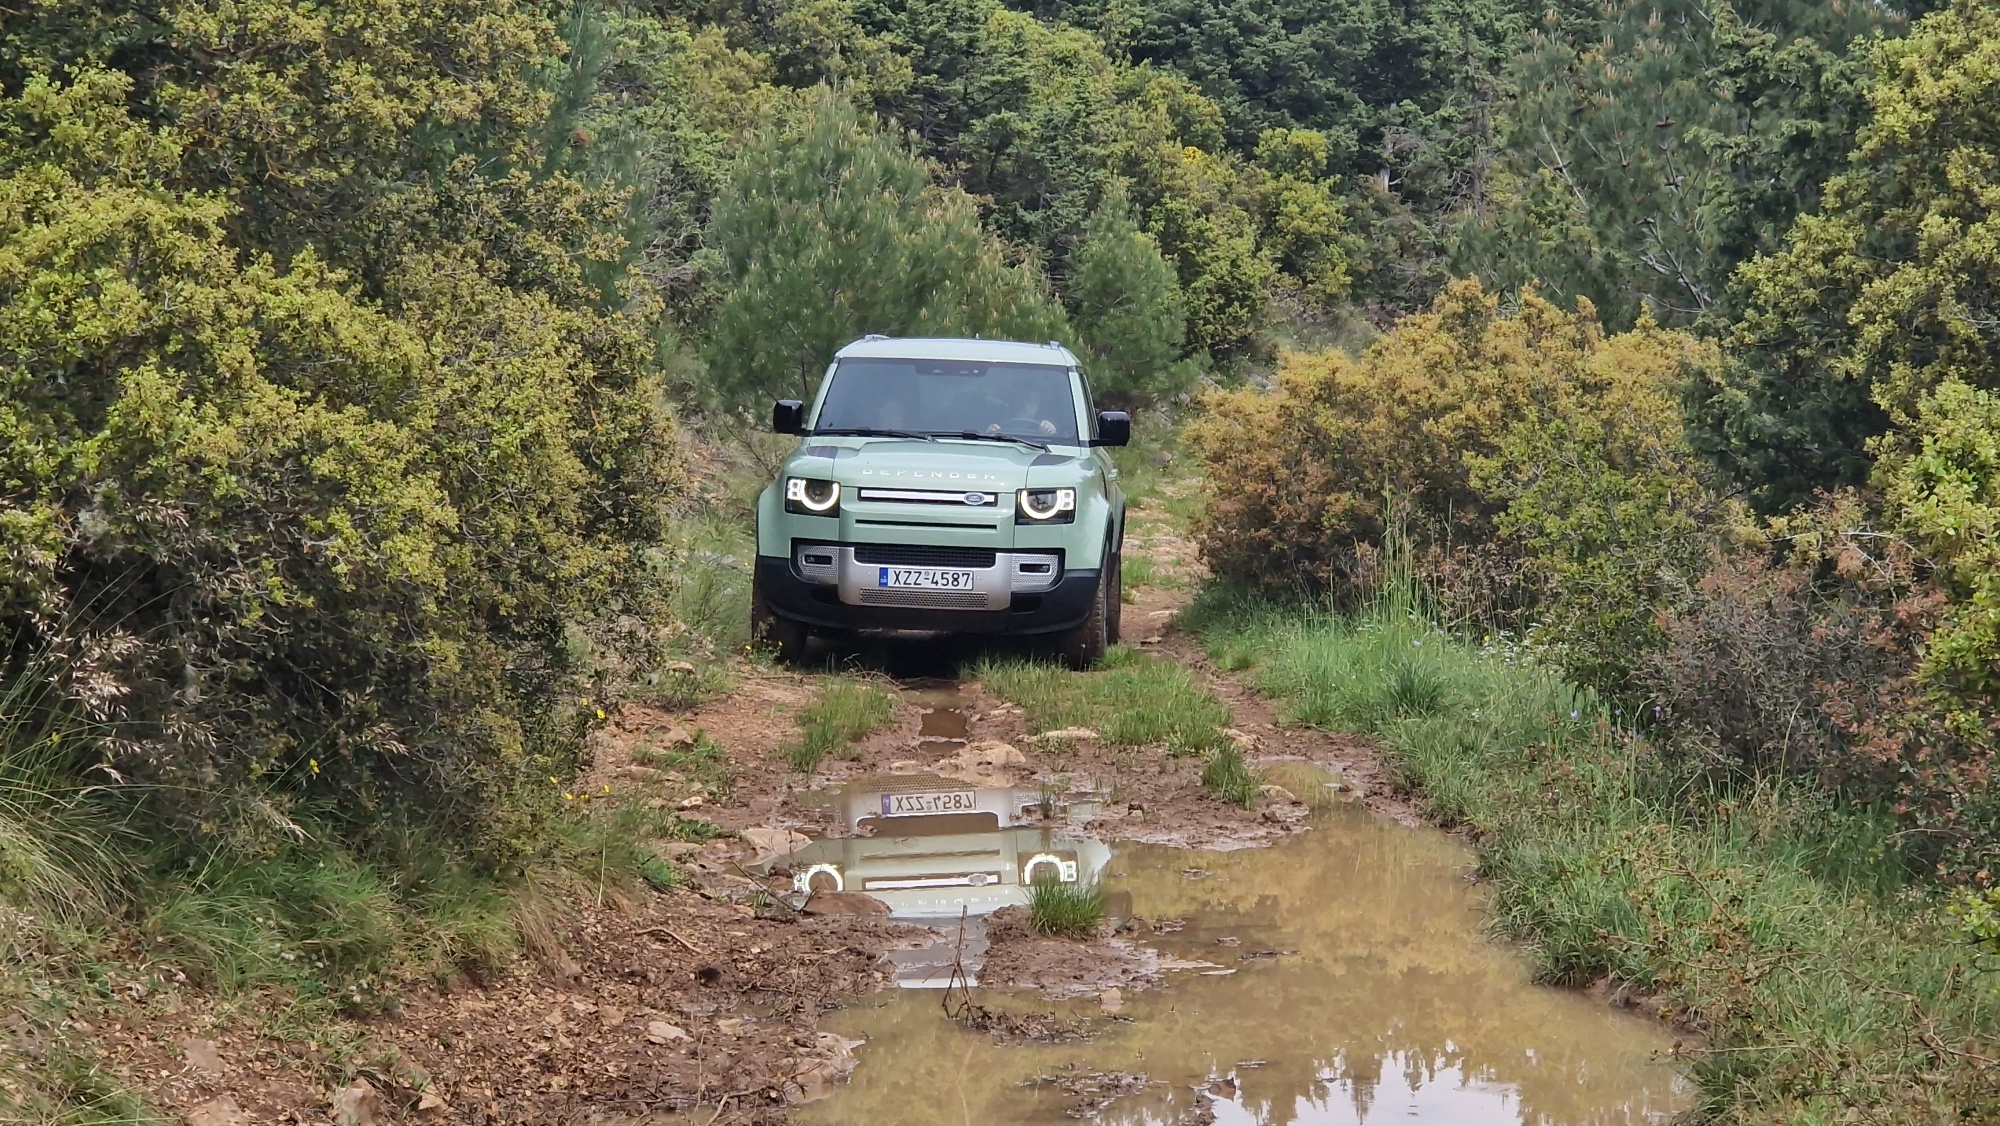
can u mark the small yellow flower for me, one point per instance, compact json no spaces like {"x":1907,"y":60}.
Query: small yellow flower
{"x":567,"y":796}
{"x":600,"y":713}
{"x":312,"y":764}
{"x":554,"y":781}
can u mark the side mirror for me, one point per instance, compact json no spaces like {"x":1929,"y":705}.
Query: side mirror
{"x":788,"y":416}
{"x":1114,"y":428}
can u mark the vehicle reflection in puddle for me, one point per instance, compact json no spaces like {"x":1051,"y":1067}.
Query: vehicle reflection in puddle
{"x":945,"y":855}
{"x":1359,"y":989}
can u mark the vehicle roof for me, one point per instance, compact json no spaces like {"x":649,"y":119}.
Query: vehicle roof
{"x":950,"y":348}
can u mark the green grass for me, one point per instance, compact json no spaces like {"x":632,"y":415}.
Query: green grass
{"x":1229,"y":777}
{"x":700,"y":761}
{"x":1131,"y":699}
{"x":1065,"y":910}
{"x":846,"y":712}
{"x":1776,"y":915}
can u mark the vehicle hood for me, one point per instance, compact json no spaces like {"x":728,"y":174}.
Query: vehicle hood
{"x":944,"y":464}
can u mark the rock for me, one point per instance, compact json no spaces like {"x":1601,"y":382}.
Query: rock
{"x":1278,"y":793}
{"x":844,"y":903}
{"x":675,"y":850}
{"x":1074,"y":734}
{"x":695,"y":802}
{"x":774,"y":842}
{"x":816,"y":1078}
{"x":201,"y":1055}
{"x":660,"y":1032}
{"x":357,"y":1105}
{"x":1242,"y":739}
{"x":732,"y":1026}
{"x":219,"y":1111}
{"x":1111,"y":1000}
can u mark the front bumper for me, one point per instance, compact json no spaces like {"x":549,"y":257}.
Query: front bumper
{"x":1008,"y":596}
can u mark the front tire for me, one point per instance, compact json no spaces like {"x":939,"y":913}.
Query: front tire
{"x":786,"y":639}
{"x":1084,"y":646}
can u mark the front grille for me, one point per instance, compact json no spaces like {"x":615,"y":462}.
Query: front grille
{"x":925,"y":599}
{"x":918,"y":555}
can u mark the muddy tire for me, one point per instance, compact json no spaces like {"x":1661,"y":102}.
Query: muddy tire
{"x":783,"y":638}
{"x":1084,"y":646}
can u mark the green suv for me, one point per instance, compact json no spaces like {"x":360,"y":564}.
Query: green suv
{"x":955,"y":486}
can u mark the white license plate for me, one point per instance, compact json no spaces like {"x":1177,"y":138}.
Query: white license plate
{"x":922,"y":578}
{"x":913,"y":805}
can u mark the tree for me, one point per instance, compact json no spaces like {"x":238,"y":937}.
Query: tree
{"x":837,"y":231}
{"x":1125,"y":304}
{"x":1654,"y":149}
{"x":1885,"y":294}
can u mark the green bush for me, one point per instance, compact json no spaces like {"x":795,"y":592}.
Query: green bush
{"x":846,"y":712}
{"x":1065,"y":910}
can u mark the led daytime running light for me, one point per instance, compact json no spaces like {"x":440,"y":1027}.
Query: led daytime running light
{"x":799,"y":490}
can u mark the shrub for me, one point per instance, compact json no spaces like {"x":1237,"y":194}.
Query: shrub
{"x":1524,"y":453}
{"x":846,"y":712}
{"x":1229,"y":777}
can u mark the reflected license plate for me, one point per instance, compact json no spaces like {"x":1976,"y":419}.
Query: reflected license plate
{"x":912,"y":805}
{"x":922,"y":578}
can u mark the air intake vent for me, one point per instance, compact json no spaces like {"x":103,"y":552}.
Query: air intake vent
{"x":918,"y":555}
{"x":925,"y":599}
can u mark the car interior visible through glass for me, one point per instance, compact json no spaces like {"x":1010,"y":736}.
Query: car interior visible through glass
{"x":948,"y":398}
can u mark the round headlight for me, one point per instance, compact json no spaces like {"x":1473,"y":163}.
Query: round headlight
{"x":1044,"y":504}
{"x":813,"y":494}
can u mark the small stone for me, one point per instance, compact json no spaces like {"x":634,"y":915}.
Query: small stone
{"x":732,"y":1026}
{"x":1073,"y":734}
{"x":1278,"y":793}
{"x":1111,"y":1000}
{"x":1243,"y":739}
{"x":660,"y":1032}
{"x":675,"y":850}
{"x":431,"y":1107}
{"x":202,"y":1056}
{"x":219,"y":1111}
{"x":611,"y":1015}
{"x":844,"y":903}
{"x":695,"y":802}
{"x":357,"y":1105}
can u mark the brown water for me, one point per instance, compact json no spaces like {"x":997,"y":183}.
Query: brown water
{"x":1385,"y":1003}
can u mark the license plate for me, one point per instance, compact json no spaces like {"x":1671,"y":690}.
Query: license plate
{"x":922,"y":578}
{"x":913,"y":805}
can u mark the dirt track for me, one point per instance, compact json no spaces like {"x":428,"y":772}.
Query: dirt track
{"x":709,"y":995}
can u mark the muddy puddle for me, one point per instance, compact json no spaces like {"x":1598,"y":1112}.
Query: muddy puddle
{"x":1340,"y":977}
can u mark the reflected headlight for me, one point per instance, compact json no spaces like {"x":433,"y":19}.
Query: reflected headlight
{"x":820,"y":877}
{"x":1046,"y":506}
{"x":811,"y":496}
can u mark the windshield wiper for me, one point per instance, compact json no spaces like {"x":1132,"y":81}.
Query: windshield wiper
{"x":976,"y":436}
{"x":870,"y":432}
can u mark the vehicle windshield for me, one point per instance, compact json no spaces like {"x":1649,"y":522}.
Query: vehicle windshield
{"x":1031,"y":401}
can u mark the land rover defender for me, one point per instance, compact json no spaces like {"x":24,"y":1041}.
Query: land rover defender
{"x":955,"y":486}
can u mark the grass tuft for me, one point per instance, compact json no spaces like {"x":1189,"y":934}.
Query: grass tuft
{"x":1229,"y":777}
{"x":1065,"y":910}
{"x":846,"y":712}
{"x":1132,"y":699}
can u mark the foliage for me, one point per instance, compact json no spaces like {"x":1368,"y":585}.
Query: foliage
{"x":1656,"y":146}
{"x":846,"y":712}
{"x":838,"y":210}
{"x":285,"y":534}
{"x":1775,"y":919}
{"x":1126,"y":306}
{"x":1882,"y":296}
{"x":1065,"y":910}
{"x":1463,"y":429}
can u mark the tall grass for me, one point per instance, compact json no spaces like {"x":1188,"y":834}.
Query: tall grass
{"x":1772,"y":914}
